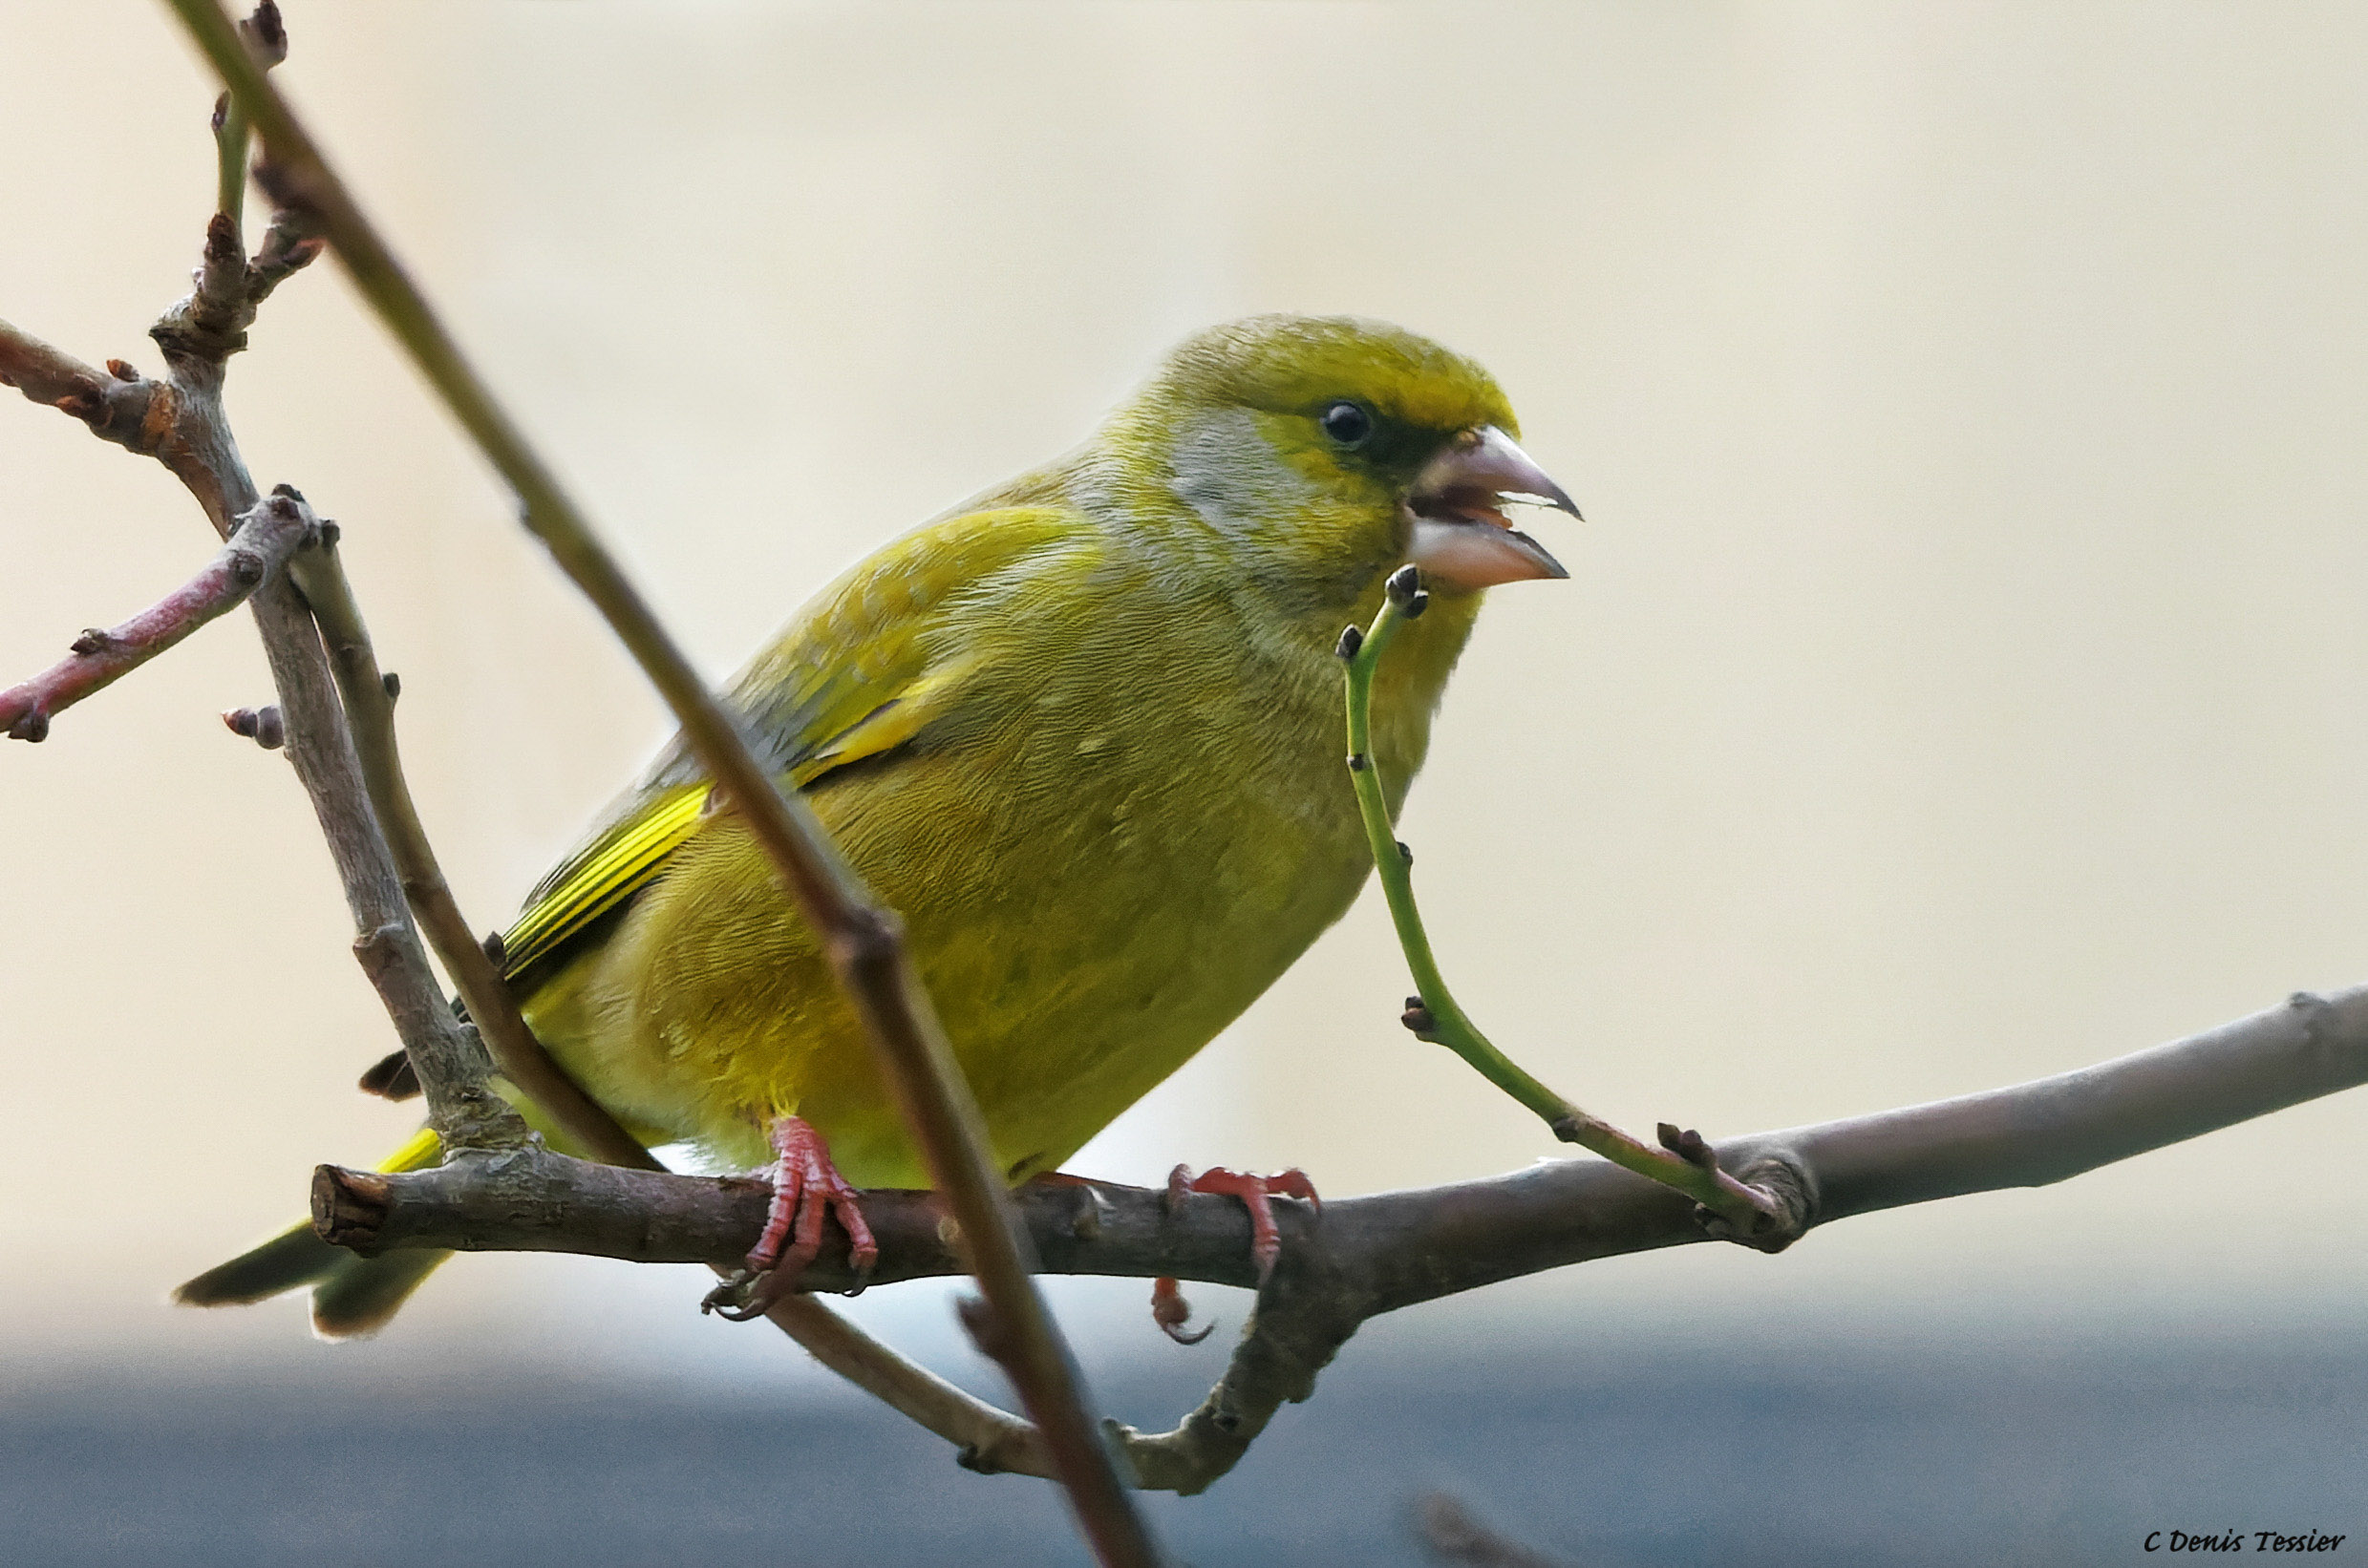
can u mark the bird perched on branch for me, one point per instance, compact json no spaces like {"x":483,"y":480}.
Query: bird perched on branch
{"x":1083,"y":732}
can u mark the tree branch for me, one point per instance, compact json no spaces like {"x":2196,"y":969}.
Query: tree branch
{"x":150,"y":417}
{"x":179,"y":420}
{"x":265,"y":539}
{"x":864,"y":941}
{"x":1366,"y":1256}
{"x":369,"y":697}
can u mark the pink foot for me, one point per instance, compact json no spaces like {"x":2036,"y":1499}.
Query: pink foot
{"x":1168,"y":1307}
{"x":806,"y":1189}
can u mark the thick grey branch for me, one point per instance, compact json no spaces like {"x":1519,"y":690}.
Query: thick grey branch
{"x":1365,"y":1256}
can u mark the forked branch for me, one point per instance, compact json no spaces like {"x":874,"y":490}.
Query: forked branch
{"x":865,"y":942}
{"x":179,"y":420}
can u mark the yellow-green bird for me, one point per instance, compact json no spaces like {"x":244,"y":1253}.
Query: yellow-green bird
{"x":1085,"y":732}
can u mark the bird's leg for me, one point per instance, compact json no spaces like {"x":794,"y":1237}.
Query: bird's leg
{"x":1168,"y":1307}
{"x":806,"y":1188}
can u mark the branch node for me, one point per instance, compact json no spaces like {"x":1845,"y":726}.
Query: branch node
{"x":264,"y":34}
{"x":32,"y":725}
{"x":94,"y":640}
{"x":221,"y":240}
{"x":122,"y":370}
{"x":377,"y":948}
{"x":1687,"y":1145}
{"x":263,"y":726}
{"x":1792,"y":1194}
{"x":865,"y":939}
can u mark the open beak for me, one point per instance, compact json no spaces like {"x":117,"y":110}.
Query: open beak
{"x":1461,"y":535}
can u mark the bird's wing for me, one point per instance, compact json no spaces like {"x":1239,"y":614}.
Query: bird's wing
{"x":860,"y":672}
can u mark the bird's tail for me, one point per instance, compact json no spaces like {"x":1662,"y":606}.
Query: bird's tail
{"x":350,"y":1294}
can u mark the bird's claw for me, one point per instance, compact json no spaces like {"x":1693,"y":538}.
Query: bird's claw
{"x":1256,"y":1193}
{"x":1171,"y":1312}
{"x":1168,"y":1307}
{"x":729,"y":1300}
{"x":807,"y":1188}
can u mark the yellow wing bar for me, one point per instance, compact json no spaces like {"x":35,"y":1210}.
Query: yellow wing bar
{"x":603,"y":875}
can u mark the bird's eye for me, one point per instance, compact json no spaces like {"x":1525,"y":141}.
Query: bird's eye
{"x":1347,"y":424}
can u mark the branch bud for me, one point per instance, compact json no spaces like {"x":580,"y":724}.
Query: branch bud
{"x":261,"y":725}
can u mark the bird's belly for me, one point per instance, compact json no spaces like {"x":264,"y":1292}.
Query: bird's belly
{"x":1115,"y":928}
{"x":1081,"y":930}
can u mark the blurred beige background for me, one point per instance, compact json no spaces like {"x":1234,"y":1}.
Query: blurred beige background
{"x":1960,"y":677}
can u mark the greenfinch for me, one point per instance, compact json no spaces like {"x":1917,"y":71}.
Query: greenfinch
{"x":1083,"y":732}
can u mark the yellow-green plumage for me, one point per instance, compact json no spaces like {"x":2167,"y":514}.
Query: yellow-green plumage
{"x":1084,"y":733}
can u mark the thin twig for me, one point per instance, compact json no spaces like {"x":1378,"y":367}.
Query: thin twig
{"x":369,"y":697}
{"x":1744,"y":1213}
{"x":119,"y":405}
{"x":266,"y":39}
{"x":985,"y":1439}
{"x":179,"y":420}
{"x":865,"y":942}
{"x":264,"y":541}
{"x":461,"y":1105}
{"x":1377,"y":1254}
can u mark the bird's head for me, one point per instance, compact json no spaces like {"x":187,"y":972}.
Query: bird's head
{"x":1322,"y":453}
